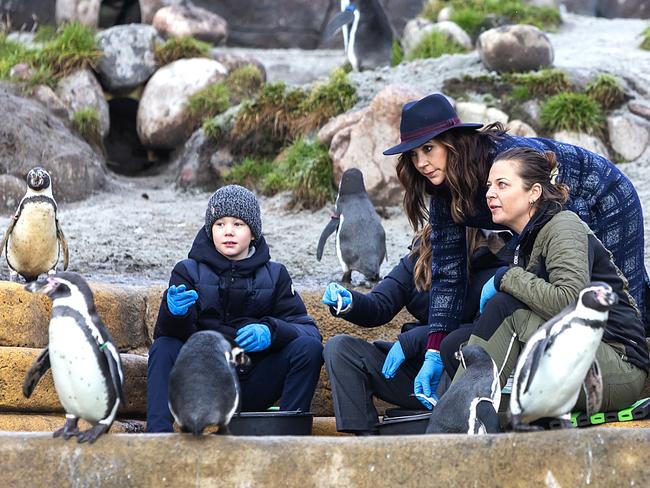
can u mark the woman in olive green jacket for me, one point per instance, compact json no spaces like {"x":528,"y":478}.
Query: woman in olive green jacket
{"x":554,"y":255}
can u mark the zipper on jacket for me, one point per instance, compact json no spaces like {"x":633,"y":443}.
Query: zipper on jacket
{"x":515,"y":260}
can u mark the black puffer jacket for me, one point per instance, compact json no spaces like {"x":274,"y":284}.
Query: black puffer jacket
{"x":233,"y":294}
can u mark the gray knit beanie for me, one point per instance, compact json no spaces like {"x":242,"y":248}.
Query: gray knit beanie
{"x":234,"y":201}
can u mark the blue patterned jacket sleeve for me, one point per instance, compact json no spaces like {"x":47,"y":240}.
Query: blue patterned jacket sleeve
{"x":449,"y":268}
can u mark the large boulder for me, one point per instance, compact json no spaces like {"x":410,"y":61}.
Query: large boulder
{"x":26,"y":14}
{"x":163,"y":120}
{"x":419,"y":28}
{"x":148,"y":8}
{"x":586,"y":141}
{"x":30,"y":135}
{"x":628,"y":135}
{"x":480,"y":113}
{"x":80,"y":90}
{"x":515,"y":48}
{"x":188,"y":20}
{"x":84,"y":11}
{"x":360,"y":144}
{"x":128,"y":56}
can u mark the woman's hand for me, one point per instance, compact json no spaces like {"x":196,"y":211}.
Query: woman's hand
{"x":488,"y":291}
{"x":427,"y":380}
{"x":337,"y":296}
{"x":394,"y":359}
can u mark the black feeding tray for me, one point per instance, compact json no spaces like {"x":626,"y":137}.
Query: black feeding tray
{"x":398,"y":421}
{"x":288,"y":422}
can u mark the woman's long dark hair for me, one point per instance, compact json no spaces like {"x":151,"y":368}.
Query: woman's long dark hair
{"x":468,"y":165}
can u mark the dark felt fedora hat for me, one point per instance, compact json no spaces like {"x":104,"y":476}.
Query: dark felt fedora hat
{"x":425,"y":119}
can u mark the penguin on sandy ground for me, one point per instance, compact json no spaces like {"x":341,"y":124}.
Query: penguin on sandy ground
{"x":470,"y":405}
{"x":559,"y":359}
{"x":203,"y":384}
{"x":360,"y":237}
{"x":85,"y":363}
{"x":33,"y":241}
{"x":367,"y":33}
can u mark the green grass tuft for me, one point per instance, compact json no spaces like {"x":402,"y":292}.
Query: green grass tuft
{"x":249,"y":173}
{"x":180,"y":47}
{"x":573,"y":112}
{"x":86,"y":123}
{"x":212,"y":129}
{"x":208,"y":102}
{"x":397,"y":53}
{"x":431,"y":9}
{"x":607,"y":90}
{"x":435,"y":45}
{"x":244,"y":82}
{"x":11,"y":53}
{"x":542,"y":82}
{"x":645,"y":43}
{"x":45,"y":33}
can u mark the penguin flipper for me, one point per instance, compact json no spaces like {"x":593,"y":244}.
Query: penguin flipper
{"x":115,"y":369}
{"x":531,"y":362}
{"x":10,"y":228}
{"x":593,"y":388}
{"x":488,"y":416}
{"x":36,"y":372}
{"x":64,"y":245}
{"x":338,"y":21}
{"x":327,"y":231}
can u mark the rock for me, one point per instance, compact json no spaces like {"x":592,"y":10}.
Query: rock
{"x":628,"y":136}
{"x":480,"y":113}
{"x":46,"y":96}
{"x":629,"y":9}
{"x":515,"y":48}
{"x":12,"y":190}
{"x":641,"y":109}
{"x":419,"y":28}
{"x":445,"y":14}
{"x":21,"y":71}
{"x":361,"y":144}
{"x":520,"y":128}
{"x":232,"y":61}
{"x":128,"y":56}
{"x":15,"y":422}
{"x":532,"y":111}
{"x":582,"y":7}
{"x":163,"y":121}
{"x":337,"y":124}
{"x":31,"y":135}
{"x":194,"y":162}
{"x":148,"y":8}
{"x":542,"y":3}
{"x":26,"y":14}
{"x":455,"y":33}
{"x":84,"y":11}
{"x":81,"y":90}
{"x":188,"y":20}
{"x":24,"y":38}
{"x":586,"y":141}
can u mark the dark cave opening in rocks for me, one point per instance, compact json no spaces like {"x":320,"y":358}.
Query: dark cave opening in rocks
{"x":118,"y":12}
{"x":125,"y":153}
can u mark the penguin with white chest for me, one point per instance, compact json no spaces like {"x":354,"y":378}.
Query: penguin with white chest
{"x":203,"y":384}
{"x":367,"y":33}
{"x":33,"y":240}
{"x":559,"y":359}
{"x":470,"y":405}
{"x":360,"y":237}
{"x":85,"y":363}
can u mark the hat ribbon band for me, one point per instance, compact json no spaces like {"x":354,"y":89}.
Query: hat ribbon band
{"x":414,"y":134}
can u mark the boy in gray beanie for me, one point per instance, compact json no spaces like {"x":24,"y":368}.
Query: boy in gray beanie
{"x":229,"y":284}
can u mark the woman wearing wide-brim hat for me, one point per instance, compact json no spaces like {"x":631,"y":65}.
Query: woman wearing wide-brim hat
{"x":443,"y":166}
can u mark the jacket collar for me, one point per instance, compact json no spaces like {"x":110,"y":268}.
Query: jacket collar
{"x":203,"y":251}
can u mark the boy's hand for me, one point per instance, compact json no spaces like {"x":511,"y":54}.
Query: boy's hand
{"x":337,"y":296}
{"x":179,"y":300}
{"x":394,"y":360}
{"x":254,"y":337}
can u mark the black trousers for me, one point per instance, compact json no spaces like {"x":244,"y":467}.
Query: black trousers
{"x":354,"y":369}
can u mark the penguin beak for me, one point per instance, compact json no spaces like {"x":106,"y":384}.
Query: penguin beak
{"x":240,"y":358}
{"x":44,"y":286}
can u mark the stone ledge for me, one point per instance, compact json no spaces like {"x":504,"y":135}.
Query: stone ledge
{"x":600,"y":457}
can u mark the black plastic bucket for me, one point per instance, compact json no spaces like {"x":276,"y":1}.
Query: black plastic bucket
{"x":404,"y":422}
{"x":272,"y":423}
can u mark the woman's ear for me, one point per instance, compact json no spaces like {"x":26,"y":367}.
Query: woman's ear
{"x":535,"y":192}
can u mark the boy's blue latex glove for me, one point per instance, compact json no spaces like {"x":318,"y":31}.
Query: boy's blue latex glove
{"x":488,"y":291}
{"x":337,"y":296}
{"x":254,"y":337}
{"x":426,"y":381}
{"x":179,"y":300}
{"x":394,"y":359}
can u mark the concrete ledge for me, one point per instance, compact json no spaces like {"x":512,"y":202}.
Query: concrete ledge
{"x":598,"y":457}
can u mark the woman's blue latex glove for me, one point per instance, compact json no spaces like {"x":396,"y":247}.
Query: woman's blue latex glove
{"x":179,"y":300}
{"x":254,"y":337}
{"x":394,"y":359}
{"x":488,"y":291}
{"x":337,"y":296}
{"x":426,"y":381}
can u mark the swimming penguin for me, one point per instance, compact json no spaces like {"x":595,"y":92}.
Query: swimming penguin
{"x":33,"y":241}
{"x":203,"y":384}
{"x":470,"y":405}
{"x":360,"y":237}
{"x":368,"y":41}
{"x":560,"y":358}
{"x":85,"y":363}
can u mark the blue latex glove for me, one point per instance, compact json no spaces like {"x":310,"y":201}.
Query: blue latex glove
{"x":393,"y":361}
{"x":179,"y":300}
{"x":254,"y":337}
{"x":337,"y":296}
{"x":426,"y":381}
{"x":488,"y":291}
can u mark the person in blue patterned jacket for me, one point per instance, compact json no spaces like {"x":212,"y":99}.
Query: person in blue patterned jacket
{"x":443,"y":166}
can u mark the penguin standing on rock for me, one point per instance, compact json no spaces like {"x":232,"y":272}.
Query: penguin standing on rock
{"x":85,"y":363}
{"x":203,"y":384}
{"x":33,"y":241}
{"x":470,"y":405}
{"x":559,"y":359}
{"x":367,"y":33}
{"x":360,"y":237}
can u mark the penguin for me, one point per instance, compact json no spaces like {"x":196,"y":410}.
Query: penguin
{"x":85,"y":363}
{"x":203,"y":384}
{"x":34,"y":240}
{"x":470,"y":405}
{"x":360,"y":237}
{"x":368,"y":41}
{"x":559,"y":359}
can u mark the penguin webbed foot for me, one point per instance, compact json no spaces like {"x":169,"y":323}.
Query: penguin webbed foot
{"x":224,"y":429}
{"x":68,"y":430}
{"x":92,"y":434}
